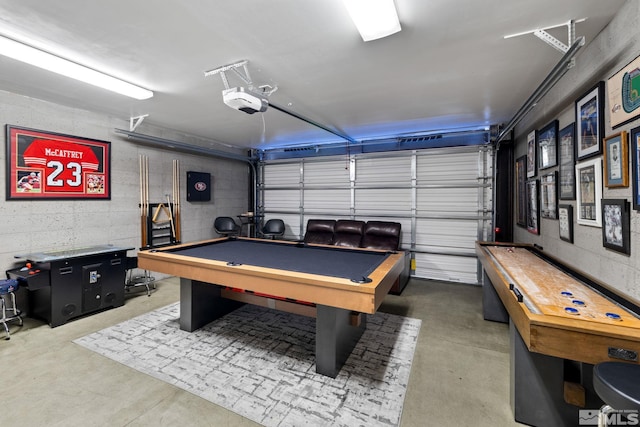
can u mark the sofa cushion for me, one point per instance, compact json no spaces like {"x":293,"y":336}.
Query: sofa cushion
{"x":320,"y":231}
{"x":348,"y":233}
{"x":382,"y":235}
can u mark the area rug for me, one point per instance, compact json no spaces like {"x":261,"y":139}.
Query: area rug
{"x":259,"y":363}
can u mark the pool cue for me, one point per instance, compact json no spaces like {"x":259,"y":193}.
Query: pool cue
{"x":143,"y":216}
{"x":176,"y":196}
{"x":146,"y":198}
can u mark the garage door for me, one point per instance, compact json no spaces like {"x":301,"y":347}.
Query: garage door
{"x":443,"y":198}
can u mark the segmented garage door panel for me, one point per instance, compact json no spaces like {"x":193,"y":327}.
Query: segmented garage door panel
{"x":326,"y":173}
{"x":446,"y":267}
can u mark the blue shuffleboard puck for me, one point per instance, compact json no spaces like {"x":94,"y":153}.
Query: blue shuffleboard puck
{"x":571,"y":310}
{"x":613,"y":316}
{"x":578,"y":302}
{"x":566,"y":294}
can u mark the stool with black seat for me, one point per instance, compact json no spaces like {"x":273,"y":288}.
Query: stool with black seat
{"x":226,"y":226}
{"x":8,"y":288}
{"x":134,"y":281}
{"x":618,"y":385}
{"x":273,"y":228}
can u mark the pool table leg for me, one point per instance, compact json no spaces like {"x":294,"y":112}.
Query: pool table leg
{"x":201,"y":303}
{"x":335,"y":338}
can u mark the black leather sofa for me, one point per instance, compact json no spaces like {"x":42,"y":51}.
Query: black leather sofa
{"x":384,"y":235}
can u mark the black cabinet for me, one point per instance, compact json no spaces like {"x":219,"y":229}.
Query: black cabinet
{"x":67,"y":284}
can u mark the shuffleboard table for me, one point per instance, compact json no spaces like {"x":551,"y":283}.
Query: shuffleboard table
{"x":338,"y":286}
{"x":562,"y":322}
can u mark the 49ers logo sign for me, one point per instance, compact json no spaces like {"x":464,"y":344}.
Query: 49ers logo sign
{"x":44,"y":165}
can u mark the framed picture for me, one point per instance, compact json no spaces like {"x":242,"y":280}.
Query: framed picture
{"x":531,"y":154}
{"x":547,"y":143}
{"x":622,"y":93}
{"x":567,"y":155}
{"x":635,"y":161}
{"x":616,"y":160}
{"x":590,"y":122}
{"x":615,"y":230}
{"x":549,"y":196}
{"x":589,"y":192}
{"x":565,"y":219}
{"x":521,"y":191}
{"x":46,"y":165}
{"x":533,"y":221}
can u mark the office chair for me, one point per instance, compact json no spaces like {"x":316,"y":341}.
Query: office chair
{"x":273,"y":228}
{"x":226,"y":226}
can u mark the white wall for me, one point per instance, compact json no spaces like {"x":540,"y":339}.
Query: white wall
{"x":612,"y":49}
{"x":41,"y":225}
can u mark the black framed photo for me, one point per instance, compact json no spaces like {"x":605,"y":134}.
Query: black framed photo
{"x":565,"y":220}
{"x":521,"y":191}
{"x":531,"y":154}
{"x":549,"y":196}
{"x":634,"y":142}
{"x":567,"y":155}
{"x":615,"y":229}
{"x":590,"y":122}
{"x":616,"y":160}
{"x":547,"y":146}
{"x":589,"y":192}
{"x":533,"y":208}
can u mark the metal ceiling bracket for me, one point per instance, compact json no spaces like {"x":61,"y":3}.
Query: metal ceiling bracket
{"x":134,"y":122}
{"x":231,"y":67}
{"x":551,"y":41}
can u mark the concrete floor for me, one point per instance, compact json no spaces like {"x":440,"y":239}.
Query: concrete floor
{"x":460,"y":373}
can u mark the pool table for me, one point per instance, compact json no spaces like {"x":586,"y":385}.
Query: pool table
{"x":338,"y":286}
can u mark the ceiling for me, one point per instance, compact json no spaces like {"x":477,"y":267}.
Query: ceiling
{"x":448,"y":69}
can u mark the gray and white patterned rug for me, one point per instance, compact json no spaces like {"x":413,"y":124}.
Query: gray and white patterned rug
{"x":260,"y":364}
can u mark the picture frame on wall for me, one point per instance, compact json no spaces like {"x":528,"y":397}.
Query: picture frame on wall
{"x":565,"y":221}
{"x":547,"y":138}
{"x":533,"y":207}
{"x":616,"y":160}
{"x":521,"y":191}
{"x":549,"y":196}
{"x":43,"y":165}
{"x":615,"y":228}
{"x":589,"y":192}
{"x":567,"y":160}
{"x":634,"y":142}
{"x":622,"y":94}
{"x":590,"y":122}
{"x":531,"y":154}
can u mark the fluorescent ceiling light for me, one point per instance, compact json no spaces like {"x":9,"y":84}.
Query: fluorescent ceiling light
{"x":373,"y":18}
{"x":47,"y":61}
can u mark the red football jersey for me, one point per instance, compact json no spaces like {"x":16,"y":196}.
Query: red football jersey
{"x":64,"y":164}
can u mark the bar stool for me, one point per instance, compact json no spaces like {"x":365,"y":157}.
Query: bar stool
{"x":7,"y":289}
{"x":618,"y":385}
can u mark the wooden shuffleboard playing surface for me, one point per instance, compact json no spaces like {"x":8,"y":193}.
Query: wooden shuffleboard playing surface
{"x":558,"y":310}
{"x":547,"y":290}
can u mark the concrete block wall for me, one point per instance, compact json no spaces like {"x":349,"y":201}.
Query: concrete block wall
{"x":617,"y":45}
{"x":42,"y":225}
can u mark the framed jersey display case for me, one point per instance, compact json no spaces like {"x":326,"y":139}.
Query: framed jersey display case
{"x":46,"y":165}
